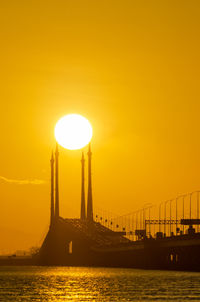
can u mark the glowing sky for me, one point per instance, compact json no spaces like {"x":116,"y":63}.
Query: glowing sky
{"x":132,"y":68}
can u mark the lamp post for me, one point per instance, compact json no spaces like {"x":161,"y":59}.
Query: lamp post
{"x":165,"y":212}
{"x":190,"y":194}
{"x":146,"y":207}
{"x":160,"y":215}
{"x":183,"y":213}
{"x":149,"y":221}
{"x":170,"y":214}
{"x":197,"y":210}
{"x":141,"y":219}
{"x":197,"y":192}
{"x":144,"y":224}
{"x":177,"y":198}
{"x":136,"y":222}
{"x":176,"y":213}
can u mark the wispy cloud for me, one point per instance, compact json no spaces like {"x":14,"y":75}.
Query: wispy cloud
{"x":23,"y":181}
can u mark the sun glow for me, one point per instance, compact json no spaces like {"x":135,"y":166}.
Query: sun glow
{"x":73,"y":131}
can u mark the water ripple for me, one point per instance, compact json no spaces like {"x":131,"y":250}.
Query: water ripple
{"x":96,"y":284}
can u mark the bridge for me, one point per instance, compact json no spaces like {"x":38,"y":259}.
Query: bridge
{"x":170,"y":240}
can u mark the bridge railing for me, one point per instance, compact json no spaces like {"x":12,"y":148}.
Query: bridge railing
{"x":167,"y":218}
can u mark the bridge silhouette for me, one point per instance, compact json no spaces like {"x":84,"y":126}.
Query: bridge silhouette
{"x":164,"y":236}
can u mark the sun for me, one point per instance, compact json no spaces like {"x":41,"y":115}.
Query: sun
{"x":73,"y":131}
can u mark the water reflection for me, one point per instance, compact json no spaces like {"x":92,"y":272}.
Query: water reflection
{"x":96,"y":284}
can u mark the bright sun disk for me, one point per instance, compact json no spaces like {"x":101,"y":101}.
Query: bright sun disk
{"x":73,"y":131}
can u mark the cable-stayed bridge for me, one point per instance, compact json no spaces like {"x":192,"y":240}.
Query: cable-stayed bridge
{"x":164,"y":236}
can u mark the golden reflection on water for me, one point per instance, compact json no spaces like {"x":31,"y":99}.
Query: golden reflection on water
{"x":96,"y":284}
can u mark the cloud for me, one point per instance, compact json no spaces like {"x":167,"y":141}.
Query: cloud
{"x":23,"y":181}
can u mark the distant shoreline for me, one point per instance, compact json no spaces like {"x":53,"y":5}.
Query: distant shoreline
{"x":17,"y":260}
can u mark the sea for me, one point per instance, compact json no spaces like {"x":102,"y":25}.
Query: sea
{"x":33,"y":283}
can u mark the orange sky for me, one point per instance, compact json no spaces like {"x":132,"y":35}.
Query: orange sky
{"x":132,"y":68}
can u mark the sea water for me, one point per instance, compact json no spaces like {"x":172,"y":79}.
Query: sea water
{"x":96,"y":284}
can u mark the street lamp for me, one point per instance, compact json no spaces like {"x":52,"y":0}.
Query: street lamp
{"x":160,"y":215}
{"x":170,"y":214}
{"x":165,"y":213}
{"x":190,"y":194}
{"x":177,"y":198}
{"x":198,"y":210}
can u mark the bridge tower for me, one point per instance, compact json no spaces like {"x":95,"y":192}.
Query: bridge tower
{"x":83,"y":216}
{"x":89,"y":200}
{"x":52,"y":190}
{"x":56,"y":184}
